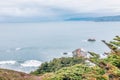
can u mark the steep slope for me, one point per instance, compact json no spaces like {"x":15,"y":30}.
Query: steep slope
{"x":14,"y":75}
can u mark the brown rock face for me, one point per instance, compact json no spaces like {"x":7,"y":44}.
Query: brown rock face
{"x":79,"y":53}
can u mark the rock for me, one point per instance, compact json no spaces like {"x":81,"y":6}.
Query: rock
{"x":91,"y":39}
{"x":79,"y":53}
{"x":65,"y":53}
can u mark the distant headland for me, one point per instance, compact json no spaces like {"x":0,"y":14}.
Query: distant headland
{"x":96,"y":19}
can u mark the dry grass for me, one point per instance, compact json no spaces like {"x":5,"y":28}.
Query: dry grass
{"x":14,"y":75}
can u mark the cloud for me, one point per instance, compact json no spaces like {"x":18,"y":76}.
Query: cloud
{"x":57,"y":8}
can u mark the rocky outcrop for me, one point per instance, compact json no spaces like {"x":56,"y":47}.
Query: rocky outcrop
{"x":79,"y":53}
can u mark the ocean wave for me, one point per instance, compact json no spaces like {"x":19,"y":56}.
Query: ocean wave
{"x":31,"y":63}
{"x":7,"y":62}
{"x":13,"y":49}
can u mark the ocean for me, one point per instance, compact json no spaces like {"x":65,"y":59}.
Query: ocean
{"x":24,"y":46}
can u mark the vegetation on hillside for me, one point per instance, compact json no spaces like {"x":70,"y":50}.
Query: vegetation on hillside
{"x":57,"y":64}
{"x":103,"y":69}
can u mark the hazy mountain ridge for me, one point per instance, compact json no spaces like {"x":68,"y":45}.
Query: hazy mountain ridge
{"x":104,"y":18}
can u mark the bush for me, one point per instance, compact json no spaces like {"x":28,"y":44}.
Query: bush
{"x":57,"y":64}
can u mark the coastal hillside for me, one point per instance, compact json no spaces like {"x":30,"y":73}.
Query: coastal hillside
{"x":78,"y":67}
{"x":93,"y":67}
{"x":14,"y":75}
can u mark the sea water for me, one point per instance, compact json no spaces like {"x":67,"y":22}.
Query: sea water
{"x":24,"y":46}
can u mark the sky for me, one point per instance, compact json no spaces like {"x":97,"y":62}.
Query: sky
{"x":56,"y":9}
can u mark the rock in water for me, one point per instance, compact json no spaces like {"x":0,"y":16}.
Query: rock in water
{"x":91,"y":39}
{"x":65,"y":53}
{"x":79,"y":53}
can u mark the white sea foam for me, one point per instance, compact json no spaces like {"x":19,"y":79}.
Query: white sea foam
{"x":84,"y":40}
{"x":31,"y":63}
{"x":7,"y":62}
{"x":17,"y":49}
{"x":13,"y":49}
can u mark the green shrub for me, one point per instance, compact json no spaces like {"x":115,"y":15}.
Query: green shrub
{"x":57,"y":64}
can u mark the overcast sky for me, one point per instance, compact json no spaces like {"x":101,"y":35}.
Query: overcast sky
{"x":57,"y":8}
